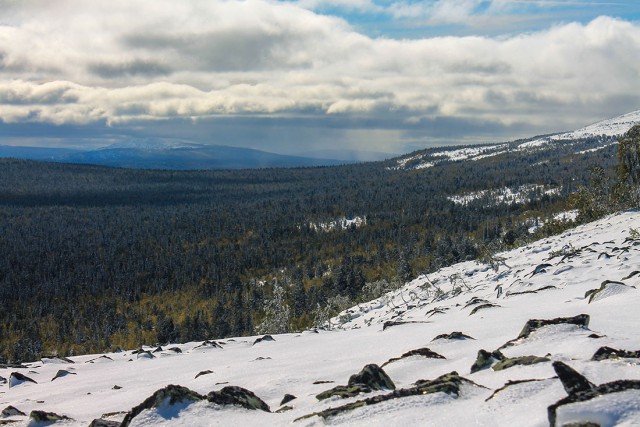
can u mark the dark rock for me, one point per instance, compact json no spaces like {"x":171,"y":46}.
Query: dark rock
{"x":99,"y":422}
{"x":390,"y":323}
{"x":287,"y":398}
{"x":533,"y":291}
{"x":3,"y":380}
{"x":631,"y":275}
{"x":483,"y":307}
{"x":116,"y":387}
{"x":581,"y":424}
{"x":370,"y":378}
{"x":99,"y":359}
{"x":138,"y":351}
{"x":323,"y":382}
{"x":208,"y":344}
{"x":264,"y":338}
{"x":595,"y":336}
{"x":171,"y":394}
{"x":284,"y":409}
{"x":592,"y":294}
{"x":571,"y":380}
{"x":475,"y":301}
{"x":453,"y":336}
{"x":174,"y":349}
{"x":449,"y":383}
{"x":62,"y":373}
{"x":532,"y":325}
{"x":424,"y":352}
{"x":518,"y":361}
{"x":542,"y":268}
{"x":510,"y":383}
{"x":46,"y":417}
{"x":604,"y":353}
{"x":12,"y":411}
{"x":344,"y":391}
{"x":145,"y":355}
{"x":56,"y":359}
{"x":201,"y":373}
{"x":158,"y":350}
{"x":257,"y":359}
{"x":582,"y":390}
{"x":486,"y":359}
{"x":437,"y":310}
{"x":232,"y":395}
{"x":17,"y":378}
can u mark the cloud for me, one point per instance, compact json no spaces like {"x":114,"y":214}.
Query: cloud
{"x":84,"y":62}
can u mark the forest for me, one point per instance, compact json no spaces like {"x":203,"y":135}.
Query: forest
{"x":95,"y":258}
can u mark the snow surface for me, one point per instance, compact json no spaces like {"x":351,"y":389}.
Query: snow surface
{"x":293,"y":362}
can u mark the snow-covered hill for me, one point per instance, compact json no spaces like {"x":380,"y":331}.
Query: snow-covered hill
{"x":441,"y":323}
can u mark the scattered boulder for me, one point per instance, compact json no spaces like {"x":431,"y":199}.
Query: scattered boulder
{"x":47,"y":417}
{"x":264,"y":338}
{"x":284,"y":409}
{"x":232,"y":395}
{"x":453,"y":336}
{"x":287,"y":398}
{"x":607,"y":288}
{"x":16,"y":378}
{"x":201,"y":373}
{"x":145,"y":355}
{"x":102,"y":358}
{"x":532,"y":325}
{"x":434,"y":311}
{"x":170,"y":395}
{"x":12,"y":411}
{"x":390,"y":323}
{"x":542,"y":268}
{"x":510,"y":383}
{"x":483,"y":307}
{"x":62,"y":373}
{"x":595,"y":336}
{"x":116,"y":387}
{"x":370,"y":378}
{"x":475,"y":301}
{"x":532,"y":291}
{"x":208,"y":344}
{"x":323,"y":382}
{"x":449,"y":383}
{"x":631,"y":275}
{"x":424,"y":352}
{"x":158,"y":350}
{"x":3,"y":380}
{"x":518,"y":361}
{"x":485,"y":359}
{"x":99,"y":422}
{"x":174,"y":349}
{"x":580,"y":389}
{"x":56,"y":359}
{"x":604,"y":353}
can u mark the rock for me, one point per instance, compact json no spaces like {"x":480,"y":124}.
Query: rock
{"x":55,"y":359}
{"x":102,"y":358}
{"x":323,"y":382}
{"x":475,"y":301}
{"x":595,"y":336}
{"x":370,"y":378}
{"x":145,"y":355}
{"x":483,"y":307}
{"x":284,"y":409}
{"x":424,"y":352}
{"x":11,"y":411}
{"x":581,"y":320}
{"x":631,"y":275}
{"x":449,"y":383}
{"x":62,"y":373}
{"x":287,"y":398}
{"x":486,"y":359}
{"x":453,"y":336}
{"x":174,"y":349}
{"x":509,"y":384}
{"x":201,"y":373}
{"x":264,"y":338}
{"x":138,"y":351}
{"x":232,"y":395}
{"x":99,"y":422}
{"x":604,"y":353}
{"x":208,"y":344}
{"x":542,"y":268}
{"x":158,"y":350}
{"x":582,"y":390}
{"x":116,"y":387}
{"x":390,"y":323}
{"x":581,"y":424}
{"x":46,"y":417}
{"x":3,"y":380}
{"x":607,"y":288}
{"x":571,"y":380}
{"x":16,"y":378}
{"x":170,"y":395}
{"x":518,"y":361}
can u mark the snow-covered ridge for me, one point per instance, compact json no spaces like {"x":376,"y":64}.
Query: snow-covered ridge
{"x":505,"y":195}
{"x":339,"y":224}
{"x":582,"y":285}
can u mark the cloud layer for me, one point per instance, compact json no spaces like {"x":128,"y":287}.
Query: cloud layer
{"x":78,"y":62}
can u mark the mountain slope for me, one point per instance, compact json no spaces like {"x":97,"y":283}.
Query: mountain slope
{"x":544,"y":280}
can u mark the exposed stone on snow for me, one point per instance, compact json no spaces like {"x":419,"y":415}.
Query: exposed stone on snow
{"x":174,"y":349}
{"x":3,"y":380}
{"x":532,"y":325}
{"x":453,"y":336}
{"x":511,"y":383}
{"x":62,"y":373}
{"x":370,"y":378}
{"x":99,"y":422}
{"x":424,"y":352}
{"x":604,"y":353}
{"x":102,"y":358}
{"x":232,"y":395}
{"x":16,"y":378}
{"x":158,"y":350}
{"x":47,"y":417}
{"x":207,"y":344}
{"x":607,"y":288}
{"x":486,"y":359}
{"x":483,"y":307}
{"x":170,"y":395}
{"x":518,"y":361}
{"x":264,"y":338}
{"x":542,"y":268}
{"x":11,"y":411}
{"x":55,"y":359}
{"x":583,"y":390}
{"x":145,"y":355}
{"x":391,"y":323}
{"x":631,"y":275}
{"x":449,"y":383}
{"x":201,"y":373}
{"x":475,"y":301}
{"x":287,"y":398}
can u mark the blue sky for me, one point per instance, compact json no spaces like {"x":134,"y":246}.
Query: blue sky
{"x":305,"y":75}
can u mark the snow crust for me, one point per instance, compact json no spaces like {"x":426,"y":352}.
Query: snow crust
{"x":430,"y":305}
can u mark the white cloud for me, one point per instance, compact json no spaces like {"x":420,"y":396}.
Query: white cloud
{"x":80,"y":62}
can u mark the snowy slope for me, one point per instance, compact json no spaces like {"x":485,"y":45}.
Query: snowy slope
{"x":522,"y":288}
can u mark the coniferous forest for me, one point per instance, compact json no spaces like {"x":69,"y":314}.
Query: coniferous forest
{"x":95,"y":258}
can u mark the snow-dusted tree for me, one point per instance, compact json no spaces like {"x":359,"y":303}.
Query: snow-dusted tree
{"x":629,"y":157}
{"x":277,"y":313}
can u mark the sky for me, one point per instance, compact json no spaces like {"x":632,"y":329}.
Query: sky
{"x":300,"y":76}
